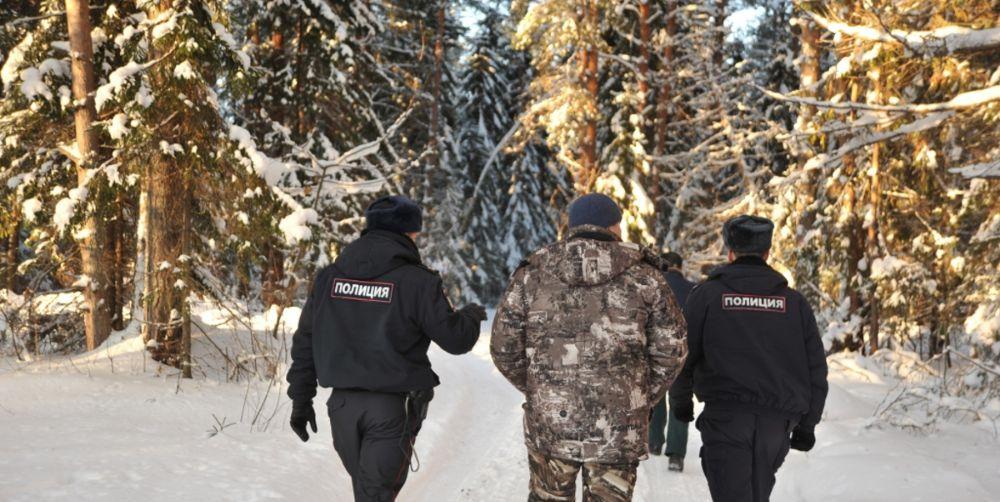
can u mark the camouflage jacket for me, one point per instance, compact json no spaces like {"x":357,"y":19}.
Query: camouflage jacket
{"x":589,"y":331}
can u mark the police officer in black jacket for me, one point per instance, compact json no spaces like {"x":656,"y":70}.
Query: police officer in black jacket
{"x":756,"y":359}
{"x":365,"y":331}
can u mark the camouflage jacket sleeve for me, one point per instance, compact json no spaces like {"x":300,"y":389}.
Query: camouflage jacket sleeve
{"x":666,"y":343}
{"x":507,"y":342}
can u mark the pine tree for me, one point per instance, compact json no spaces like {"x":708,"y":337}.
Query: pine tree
{"x":716,"y":158}
{"x":898,"y":276}
{"x":565,"y":56}
{"x":311,"y":105}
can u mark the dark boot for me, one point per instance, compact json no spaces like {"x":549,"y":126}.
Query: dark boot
{"x":676,"y":464}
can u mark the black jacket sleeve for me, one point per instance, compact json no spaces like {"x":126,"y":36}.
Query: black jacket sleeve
{"x":682,"y":389}
{"x":452,"y":331}
{"x":302,"y":374}
{"x":816,"y":358}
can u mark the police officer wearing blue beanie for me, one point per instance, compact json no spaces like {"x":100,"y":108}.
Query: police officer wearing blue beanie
{"x":756,"y":359}
{"x":364,"y":331}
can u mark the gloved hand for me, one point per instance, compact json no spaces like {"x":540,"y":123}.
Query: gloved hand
{"x":683,"y":411}
{"x":474,"y":311}
{"x":803,"y":439}
{"x":302,"y":414}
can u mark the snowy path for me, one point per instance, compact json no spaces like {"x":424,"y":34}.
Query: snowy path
{"x":78,"y":432}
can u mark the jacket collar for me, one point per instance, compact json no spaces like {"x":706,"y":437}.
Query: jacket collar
{"x":593,"y":232}
{"x":398,"y":238}
{"x":751,"y":260}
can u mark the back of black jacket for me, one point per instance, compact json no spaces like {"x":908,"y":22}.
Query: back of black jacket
{"x":753,"y":342}
{"x":370,"y":319}
{"x":679,"y":284}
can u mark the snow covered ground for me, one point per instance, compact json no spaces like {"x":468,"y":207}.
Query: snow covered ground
{"x":101,"y":427}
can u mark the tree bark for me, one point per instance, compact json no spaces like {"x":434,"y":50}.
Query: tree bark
{"x":97,"y":319}
{"x":720,"y":32}
{"x":273,"y":287}
{"x":167,"y":241}
{"x":644,"y":36}
{"x":875,"y":196}
{"x":12,"y":254}
{"x":808,"y":60}
{"x":168,"y":207}
{"x":809,"y":72}
{"x":587,"y":171}
{"x":875,"y":201}
{"x":435,"y":129}
{"x":664,"y":97}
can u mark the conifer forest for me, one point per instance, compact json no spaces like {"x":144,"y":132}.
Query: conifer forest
{"x":174,"y":174}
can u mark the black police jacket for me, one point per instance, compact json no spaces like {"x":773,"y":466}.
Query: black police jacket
{"x":370,"y":319}
{"x":753,"y":344}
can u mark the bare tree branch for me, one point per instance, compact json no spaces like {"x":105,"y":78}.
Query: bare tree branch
{"x":970,"y":99}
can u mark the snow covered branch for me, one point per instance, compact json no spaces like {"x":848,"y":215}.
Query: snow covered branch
{"x":988,"y":169}
{"x":970,"y":99}
{"x":928,"y":122}
{"x":937,"y":42}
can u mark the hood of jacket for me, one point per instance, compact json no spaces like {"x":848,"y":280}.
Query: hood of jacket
{"x":748,"y":274}
{"x":375,"y":253}
{"x":588,"y":256}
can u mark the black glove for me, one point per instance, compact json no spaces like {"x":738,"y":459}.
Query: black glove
{"x":803,"y":439}
{"x":302,"y":414}
{"x":683,"y":410}
{"x":474,"y":311}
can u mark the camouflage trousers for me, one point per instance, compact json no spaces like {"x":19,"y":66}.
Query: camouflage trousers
{"x":554,"y":479}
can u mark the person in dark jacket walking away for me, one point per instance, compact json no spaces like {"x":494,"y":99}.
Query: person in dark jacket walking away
{"x":365,"y":331}
{"x":677,"y":431}
{"x":757,"y":362}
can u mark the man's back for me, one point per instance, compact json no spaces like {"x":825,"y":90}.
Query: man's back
{"x":590,"y":332}
{"x":371,"y":318}
{"x":754,"y":342}
{"x":680,"y":286}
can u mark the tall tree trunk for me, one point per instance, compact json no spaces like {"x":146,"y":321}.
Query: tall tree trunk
{"x":856,"y":236}
{"x":168,"y":238}
{"x":644,"y":36}
{"x":117,"y":263}
{"x":665,"y":95}
{"x":12,"y":252}
{"x":809,"y":72}
{"x":274,"y":260}
{"x":875,"y":195}
{"x":96,"y":318}
{"x":872,"y":249}
{"x":436,"y":77}
{"x":808,"y":60}
{"x":12,"y":243}
{"x":720,"y":32}
{"x":587,"y":171}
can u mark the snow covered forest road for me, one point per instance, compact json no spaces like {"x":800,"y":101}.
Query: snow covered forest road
{"x":71,"y":429}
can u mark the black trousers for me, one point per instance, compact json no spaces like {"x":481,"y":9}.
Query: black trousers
{"x":742,"y":452}
{"x":374,"y":438}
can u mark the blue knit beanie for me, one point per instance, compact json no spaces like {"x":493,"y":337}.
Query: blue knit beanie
{"x":394,"y":213}
{"x":594,"y":209}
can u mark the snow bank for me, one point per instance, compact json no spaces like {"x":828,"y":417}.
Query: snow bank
{"x":134,"y":435}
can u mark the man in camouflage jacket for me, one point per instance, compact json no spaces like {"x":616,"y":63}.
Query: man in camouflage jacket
{"x":589,"y":331}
